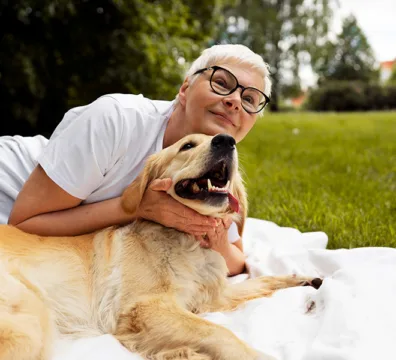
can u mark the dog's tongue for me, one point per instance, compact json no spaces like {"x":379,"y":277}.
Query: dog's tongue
{"x":234,"y":204}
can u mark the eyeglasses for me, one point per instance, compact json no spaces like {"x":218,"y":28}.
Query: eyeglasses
{"x":225,"y":83}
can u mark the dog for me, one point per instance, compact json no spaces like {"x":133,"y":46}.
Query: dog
{"x":143,"y":283}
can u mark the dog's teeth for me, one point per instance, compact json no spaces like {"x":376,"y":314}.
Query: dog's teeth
{"x":195,"y":188}
{"x":213,"y":188}
{"x":209,"y":185}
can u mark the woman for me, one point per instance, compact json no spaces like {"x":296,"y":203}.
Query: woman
{"x":98,"y":149}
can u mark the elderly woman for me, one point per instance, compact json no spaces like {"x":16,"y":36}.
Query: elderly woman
{"x":72,"y":183}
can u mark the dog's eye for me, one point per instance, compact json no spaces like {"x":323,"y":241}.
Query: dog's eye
{"x":187,"y":146}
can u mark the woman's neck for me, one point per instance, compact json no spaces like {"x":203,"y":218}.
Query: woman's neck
{"x":176,"y":127}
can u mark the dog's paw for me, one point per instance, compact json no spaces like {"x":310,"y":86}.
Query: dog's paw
{"x":315,"y":283}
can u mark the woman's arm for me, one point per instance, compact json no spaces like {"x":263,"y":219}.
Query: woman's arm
{"x":217,"y":239}
{"x":235,"y":258}
{"x":44,"y":208}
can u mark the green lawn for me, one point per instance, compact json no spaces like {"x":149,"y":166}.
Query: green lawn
{"x":330,"y":172}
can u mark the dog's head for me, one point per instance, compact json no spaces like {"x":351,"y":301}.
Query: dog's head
{"x":204,"y":173}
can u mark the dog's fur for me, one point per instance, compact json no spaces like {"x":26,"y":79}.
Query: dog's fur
{"x":142,"y":282}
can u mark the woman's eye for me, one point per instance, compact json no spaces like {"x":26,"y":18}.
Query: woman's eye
{"x":221,"y":83}
{"x":248,"y":99}
{"x":187,"y":146}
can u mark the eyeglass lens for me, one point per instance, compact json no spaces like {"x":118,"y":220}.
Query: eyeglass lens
{"x":224,"y":83}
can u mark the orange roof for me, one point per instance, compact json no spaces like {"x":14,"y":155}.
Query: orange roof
{"x":298,"y":101}
{"x":387,"y":64}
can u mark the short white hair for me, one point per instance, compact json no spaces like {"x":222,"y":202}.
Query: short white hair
{"x":232,"y":54}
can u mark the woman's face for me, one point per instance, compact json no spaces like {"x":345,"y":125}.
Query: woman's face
{"x":209,"y":113}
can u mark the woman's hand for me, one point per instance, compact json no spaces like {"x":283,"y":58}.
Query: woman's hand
{"x":160,"y":207}
{"x":217,"y":238}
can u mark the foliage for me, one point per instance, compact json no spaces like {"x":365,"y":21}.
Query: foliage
{"x":351,"y":96}
{"x":291,"y":90}
{"x":325,"y":172}
{"x":60,"y":54}
{"x":286,"y":33}
{"x":392,"y":78}
{"x":348,"y":58}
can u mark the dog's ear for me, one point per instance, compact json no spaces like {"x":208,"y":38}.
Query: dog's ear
{"x":238,"y":190}
{"x":133,"y":194}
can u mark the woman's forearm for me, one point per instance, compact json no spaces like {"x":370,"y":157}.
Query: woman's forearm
{"x":78,"y":220}
{"x":235,"y":260}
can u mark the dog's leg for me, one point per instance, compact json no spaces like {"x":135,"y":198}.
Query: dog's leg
{"x":25,"y":327}
{"x":159,"y":327}
{"x":264,"y":286}
{"x":183,"y":353}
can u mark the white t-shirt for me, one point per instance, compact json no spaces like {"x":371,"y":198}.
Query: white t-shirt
{"x":87,"y":164}
{"x":18,"y":158}
{"x":99,"y":149}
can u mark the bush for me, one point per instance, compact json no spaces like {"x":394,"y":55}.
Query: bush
{"x":390,"y":97}
{"x":351,"y":96}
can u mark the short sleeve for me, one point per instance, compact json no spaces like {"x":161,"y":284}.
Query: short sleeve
{"x":233,"y":234}
{"x":78,"y":157}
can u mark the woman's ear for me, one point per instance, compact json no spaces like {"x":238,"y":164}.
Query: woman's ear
{"x":133,"y":194}
{"x":239,"y":191}
{"x":183,"y":90}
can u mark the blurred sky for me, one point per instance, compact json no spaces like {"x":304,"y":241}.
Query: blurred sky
{"x":378,"y":21}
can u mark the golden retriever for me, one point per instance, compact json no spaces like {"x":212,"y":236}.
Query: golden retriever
{"x":142,"y":282}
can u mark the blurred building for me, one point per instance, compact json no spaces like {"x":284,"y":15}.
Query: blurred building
{"x":386,"y":69}
{"x":296,"y":102}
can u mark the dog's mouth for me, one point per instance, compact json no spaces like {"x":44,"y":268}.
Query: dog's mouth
{"x":213,"y":186}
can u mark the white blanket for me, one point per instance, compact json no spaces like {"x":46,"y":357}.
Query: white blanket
{"x":352,"y":316}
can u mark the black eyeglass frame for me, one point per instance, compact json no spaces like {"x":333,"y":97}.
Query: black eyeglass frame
{"x":238,"y":85}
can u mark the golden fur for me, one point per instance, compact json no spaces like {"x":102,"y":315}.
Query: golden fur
{"x":142,"y":282}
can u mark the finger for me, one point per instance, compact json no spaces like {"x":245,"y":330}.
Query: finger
{"x":211,"y":234}
{"x":202,"y":242}
{"x":197,"y":220}
{"x":203,"y":228}
{"x":227,"y":221}
{"x":187,"y":227}
{"x":201,"y":220}
{"x":220,"y":228}
{"x":194,"y":230}
{"x":218,"y":222}
{"x":198,"y":234}
{"x":161,"y":184}
{"x":192,"y":216}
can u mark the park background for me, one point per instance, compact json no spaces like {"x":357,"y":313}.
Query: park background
{"x":323,"y":156}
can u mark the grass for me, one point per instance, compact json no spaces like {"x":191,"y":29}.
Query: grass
{"x":325,"y":172}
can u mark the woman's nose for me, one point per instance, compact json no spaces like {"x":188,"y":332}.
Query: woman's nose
{"x":233,"y":101}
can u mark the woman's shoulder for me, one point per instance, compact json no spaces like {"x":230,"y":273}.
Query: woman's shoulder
{"x":140,"y":103}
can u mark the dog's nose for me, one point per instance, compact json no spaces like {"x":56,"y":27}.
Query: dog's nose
{"x":223,"y":141}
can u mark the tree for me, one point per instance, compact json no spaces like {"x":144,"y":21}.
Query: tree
{"x":348,"y":58}
{"x":57,"y":54}
{"x":392,"y":78}
{"x":286,"y":33}
{"x":291,"y":90}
